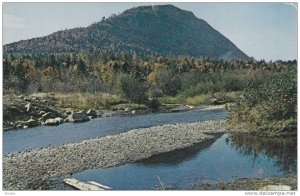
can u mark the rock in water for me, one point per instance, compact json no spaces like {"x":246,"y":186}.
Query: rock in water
{"x":59,"y":120}
{"x":92,"y":113}
{"x":32,"y":123}
{"x":78,"y":117}
{"x":51,"y":122}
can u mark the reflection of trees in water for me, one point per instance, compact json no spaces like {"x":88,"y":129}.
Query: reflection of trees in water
{"x":283,"y":150}
{"x":179,"y":155}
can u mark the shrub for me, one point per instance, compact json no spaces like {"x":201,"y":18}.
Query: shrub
{"x":153,"y":103}
{"x":131,"y":88}
{"x":269,"y":104}
{"x":169,"y":83}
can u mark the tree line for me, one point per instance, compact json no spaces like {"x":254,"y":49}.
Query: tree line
{"x":267,"y":90}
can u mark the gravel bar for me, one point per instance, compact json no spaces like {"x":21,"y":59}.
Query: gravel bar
{"x":25,"y":170}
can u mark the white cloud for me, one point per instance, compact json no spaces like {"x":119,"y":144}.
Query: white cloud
{"x":12,"y":21}
{"x":295,"y":5}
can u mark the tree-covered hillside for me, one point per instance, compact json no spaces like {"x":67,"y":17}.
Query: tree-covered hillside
{"x":162,"y":30}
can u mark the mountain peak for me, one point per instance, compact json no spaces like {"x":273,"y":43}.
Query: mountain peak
{"x":159,"y":29}
{"x":166,"y":9}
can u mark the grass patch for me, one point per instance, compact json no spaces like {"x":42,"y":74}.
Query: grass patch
{"x":85,"y":101}
{"x":203,"y":99}
{"x":170,"y":100}
{"x":198,"y":100}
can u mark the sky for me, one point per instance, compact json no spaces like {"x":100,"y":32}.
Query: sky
{"x":261,"y":30}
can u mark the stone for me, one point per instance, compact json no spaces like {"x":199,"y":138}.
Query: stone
{"x":68,"y":112}
{"x":133,"y":112}
{"x":190,"y":106}
{"x":78,"y":117}
{"x":32,"y":123}
{"x":12,"y":112}
{"x":51,"y":122}
{"x":42,"y":112}
{"x":26,"y":99}
{"x":20,"y":122}
{"x":27,"y":106}
{"x":214,"y":101}
{"x":179,"y":109}
{"x":36,"y":99}
{"x":49,"y":115}
{"x":127,"y":110}
{"x":92,"y":113}
{"x":60,"y":120}
{"x":21,"y":97}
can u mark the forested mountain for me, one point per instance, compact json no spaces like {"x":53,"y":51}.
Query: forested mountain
{"x":161,"y":30}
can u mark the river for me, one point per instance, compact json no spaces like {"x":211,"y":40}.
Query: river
{"x":226,"y":158}
{"x":43,"y":136}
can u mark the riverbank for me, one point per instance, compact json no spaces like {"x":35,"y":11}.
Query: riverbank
{"x":21,"y":112}
{"x":27,"y":170}
{"x":250,"y":184}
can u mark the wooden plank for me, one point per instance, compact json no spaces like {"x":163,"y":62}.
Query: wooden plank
{"x":81,"y":185}
{"x":100,"y":185}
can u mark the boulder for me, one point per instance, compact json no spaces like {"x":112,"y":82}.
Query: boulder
{"x":42,"y":113}
{"x":68,"y":112}
{"x":126,"y":110}
{"x":51,"y":122}
{"x":12,"y":112}
{"x":59,"y":119}
{"x":92,"y":113}
{"x":78,"y":117}
{"x":49,"y":115}
{"x":19,"y":124}
{"x":26,"y":99}
{"x":133,"y":112}
{"x":31,"y":123}
{"x":179,"y":109}
{"x":214,"y":101}
{"x":21,"y":97}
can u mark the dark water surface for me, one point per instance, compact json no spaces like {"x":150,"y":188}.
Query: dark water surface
{"x":42,"y":136}
{"x":226,"y":158}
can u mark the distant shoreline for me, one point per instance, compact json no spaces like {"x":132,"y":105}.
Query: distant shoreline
{"x":16,"y":116}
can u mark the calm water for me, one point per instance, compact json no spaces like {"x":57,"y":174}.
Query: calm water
{"x":224,"y":159}
{"x":42,"y":136}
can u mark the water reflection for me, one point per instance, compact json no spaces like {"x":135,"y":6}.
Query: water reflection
{"x":180,"y":155}
{"x":282,"y":150}
{"x":224,"y":158}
